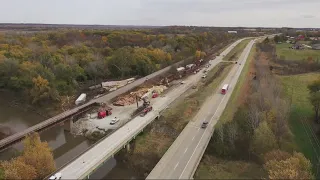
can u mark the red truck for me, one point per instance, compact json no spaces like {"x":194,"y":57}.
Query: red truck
{"x":225,"y":89}
{"x":146,"y":110}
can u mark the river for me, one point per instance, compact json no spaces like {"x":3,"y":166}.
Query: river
{"x":65,"y":146}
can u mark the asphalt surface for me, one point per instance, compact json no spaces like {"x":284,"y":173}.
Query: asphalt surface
{"x":84,"y":164}
{"x":184,"y":155}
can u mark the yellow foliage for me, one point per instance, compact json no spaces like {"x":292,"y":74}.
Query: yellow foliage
{"x":104,"y":39}
{"x":18,"y":169}
{"x":294,"y":167}
{"x":277,"y":155}
{"x":198,"y":54}
{"x":38,"y":155}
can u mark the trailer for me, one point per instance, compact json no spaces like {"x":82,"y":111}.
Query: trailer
{"x":81,"y":99}
{"x":225,"y":89}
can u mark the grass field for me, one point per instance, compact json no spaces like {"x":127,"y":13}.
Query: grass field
{"x":234,"y":54}
{"x":216,"y":168}
{"x":295,"y":87}
{"x":232,"y":105}
{"x":284,"y":50}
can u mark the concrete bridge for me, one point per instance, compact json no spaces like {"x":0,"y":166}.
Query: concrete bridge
{"x":67,"y":116}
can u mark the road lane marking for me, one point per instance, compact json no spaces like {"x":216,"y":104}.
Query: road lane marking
{"x":193,"y":138}
{"x":203,"y":134}
{"x":176,"y":166}
{"x":185,"y":150}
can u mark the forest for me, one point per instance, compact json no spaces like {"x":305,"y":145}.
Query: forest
{"x":45,"y":66}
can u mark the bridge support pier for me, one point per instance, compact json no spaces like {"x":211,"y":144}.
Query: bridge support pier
{"x":68,"y":124}
{"x":128,"y":147}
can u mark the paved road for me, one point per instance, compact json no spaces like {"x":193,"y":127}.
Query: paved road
{"x":83,"y":165}
{"x":184,"y":155}
{"x":58,"y":118}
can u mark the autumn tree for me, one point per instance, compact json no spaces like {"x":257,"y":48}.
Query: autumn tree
{"x":41,"y":90}
{"x":263,"y":139}
{"x":38,"y":155}
{"x":294,"y":167}
{"x":18,"y":169}
{"x":36,"y":161}
{"x":276,"y":155}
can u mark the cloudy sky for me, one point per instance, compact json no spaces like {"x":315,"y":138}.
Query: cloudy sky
{"x":266,"y":13}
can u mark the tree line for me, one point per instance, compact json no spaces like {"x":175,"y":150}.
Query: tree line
{"x":35,"y":162}
{"x":259,"y":130}
{"x":46,"y":66}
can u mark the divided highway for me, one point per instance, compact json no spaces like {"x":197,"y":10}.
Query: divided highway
{"x":182,"y":158}
{"x":85,"y":164}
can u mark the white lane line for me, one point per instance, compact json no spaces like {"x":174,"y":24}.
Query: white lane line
{"x":203,"y":135}
{"x":185,"y":150}
{"x":193,"y":138}
{"x":176,"y":166}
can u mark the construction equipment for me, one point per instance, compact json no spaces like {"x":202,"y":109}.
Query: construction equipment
{"x":104,"y":111}
{"x":146,"y":110}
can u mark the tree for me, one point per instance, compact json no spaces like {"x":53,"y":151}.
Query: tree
{"x":315,"y":101}
{"x":41,"y":90}
{"x":263,"y":139}
{"x":277,"y":155}
{"x":18,"y":169}
{"x":314,"y":98}
{"x":294,"y":167}
{"x":38,"y":155}
{"x":197,"y":55}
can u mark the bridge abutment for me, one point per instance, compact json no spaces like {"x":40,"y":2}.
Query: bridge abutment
{"x":68,"y":124}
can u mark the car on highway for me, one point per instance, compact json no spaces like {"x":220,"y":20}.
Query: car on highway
{"x":56,"y":176}
{"x":204,"y":124}
{"x":114,"y":121}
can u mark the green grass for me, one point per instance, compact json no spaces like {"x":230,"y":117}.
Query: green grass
{"x":217,"y":168}
{"x":284,"y":50}
{"x":295,"y":87}
{"x":234,"y":54}
{"x":232,"y":105}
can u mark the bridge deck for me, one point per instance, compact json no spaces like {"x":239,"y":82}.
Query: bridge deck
{"x":16,"y":137}
{"x":37,"y":127}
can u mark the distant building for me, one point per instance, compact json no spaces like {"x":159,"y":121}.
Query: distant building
{"x":316,"y":46}
{"x":250,"y":29}
{"x":232,"y":32}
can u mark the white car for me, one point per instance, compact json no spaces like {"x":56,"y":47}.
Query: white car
{"x":114,"y":121}
{"x":56,"y":176}
{"x":182,"y":82}
{"x":204,"y":76}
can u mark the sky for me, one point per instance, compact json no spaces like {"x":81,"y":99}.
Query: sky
{"x":249,"y":13}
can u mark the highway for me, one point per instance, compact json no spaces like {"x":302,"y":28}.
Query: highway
{"x":83,"y":165}
{"x":60,"y":117}
{"x":183,"y":156}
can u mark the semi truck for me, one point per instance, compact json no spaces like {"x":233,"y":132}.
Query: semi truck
{"x":225,"y":89}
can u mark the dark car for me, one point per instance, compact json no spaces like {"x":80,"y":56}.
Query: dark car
{"x":204,"y":124}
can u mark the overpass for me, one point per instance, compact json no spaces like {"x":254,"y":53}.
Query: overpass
{"x":60,"y":118}
{"x":82,"y":166}
{"x":183,"y":157}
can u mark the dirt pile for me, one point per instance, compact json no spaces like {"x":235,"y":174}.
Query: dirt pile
{"x":130,"y":98}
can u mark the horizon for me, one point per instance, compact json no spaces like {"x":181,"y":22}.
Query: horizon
{"x":218,"y":13}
